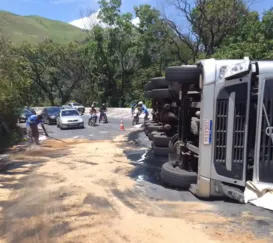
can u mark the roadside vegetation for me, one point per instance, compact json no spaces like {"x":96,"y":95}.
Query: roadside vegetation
{"x":112,"y":64}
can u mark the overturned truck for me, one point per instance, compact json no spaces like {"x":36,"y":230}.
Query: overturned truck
{"x":225,"y":127}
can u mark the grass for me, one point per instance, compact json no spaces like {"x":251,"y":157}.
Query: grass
{"x":34,"y":29}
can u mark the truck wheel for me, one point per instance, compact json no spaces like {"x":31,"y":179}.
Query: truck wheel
{"x":155,"y":133}
{"x":185,"y":74}
{"x":159,"y":83}
{"x":148,"y":86}
{"x":167,"y":128}
{"x":167,"y":107}
{"x":149,"y":94}
{"x":173,"y":175}
{"x":160,"y":151}
{"x":152,"y":128}
{"x":169,"y":117}
{"x":160,"y":94}
{"x":161,"y":140}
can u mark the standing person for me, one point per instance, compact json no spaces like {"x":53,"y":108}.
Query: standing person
{"x":32,"y":128}
{"x":103,"y":110}
{"x":144,"y":110}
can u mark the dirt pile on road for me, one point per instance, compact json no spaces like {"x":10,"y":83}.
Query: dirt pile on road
{"x":83,"y":192}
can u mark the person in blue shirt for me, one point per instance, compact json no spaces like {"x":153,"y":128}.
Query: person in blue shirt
{"x":144,"y":110}
{"x":32,"y":128}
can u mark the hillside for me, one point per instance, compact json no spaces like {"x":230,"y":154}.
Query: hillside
{"x":34,"y":29}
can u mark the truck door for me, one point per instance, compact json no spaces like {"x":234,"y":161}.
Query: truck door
{"x":230,"y":126}
{"x":263,"y":162}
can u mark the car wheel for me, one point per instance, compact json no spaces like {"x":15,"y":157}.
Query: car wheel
{"x":173,"y":175}
{"x":161,"y":140}
{"x":159,"y":83}
{"x":161,"y":94}
{"x":185,"y":74}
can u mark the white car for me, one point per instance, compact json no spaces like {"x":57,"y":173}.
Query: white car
{"x":69,"y":118}
{"x":74,"y":105}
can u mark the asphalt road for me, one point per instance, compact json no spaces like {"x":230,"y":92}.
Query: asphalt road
{"x":99,"y":132}
{"x":147,"y":175}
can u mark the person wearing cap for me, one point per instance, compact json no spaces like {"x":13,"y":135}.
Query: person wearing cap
{"x":144,"y":110}
{"x":32,"y":128}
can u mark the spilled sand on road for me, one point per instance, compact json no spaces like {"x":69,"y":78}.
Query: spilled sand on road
{"x":81,"y":191}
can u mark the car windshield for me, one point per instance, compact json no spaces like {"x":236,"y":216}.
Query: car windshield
{"x":53,"y":109}
{"x":70,"y":113}
{"x":77,"y":104}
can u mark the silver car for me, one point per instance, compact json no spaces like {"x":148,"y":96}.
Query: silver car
{"x":69,"y":118}
{"x":74,"y":105}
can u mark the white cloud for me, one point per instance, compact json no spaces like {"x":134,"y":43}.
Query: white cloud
{"x":88,"y":22}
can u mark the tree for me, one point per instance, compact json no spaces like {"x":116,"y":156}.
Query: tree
{"x":14,"y":84}
{"x":56,"y":69}
{"x":210,"y":22}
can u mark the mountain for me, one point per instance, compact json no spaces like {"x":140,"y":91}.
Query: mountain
{"x":34,"y":29}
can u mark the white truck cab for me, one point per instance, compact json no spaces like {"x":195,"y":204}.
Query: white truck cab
{"x":234,"y":140}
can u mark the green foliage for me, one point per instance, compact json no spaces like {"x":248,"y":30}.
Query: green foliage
{"x":113,"y":64}
{"x":35,"y":29}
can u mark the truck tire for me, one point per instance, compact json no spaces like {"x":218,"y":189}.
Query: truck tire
{"x":159,"y":83}
{"x":185,"y":74}
{"x":167,"y":107}
{"x":160,"y":151}
{"x":149,"y":94}
{"x":161,"y":140}
{"x":160,"y":94}
{"x":148,"y":86}
{"x":153,"y":134}
{"x":169,"y":117}
{"x":167,"y":128}
{"x":175,"y":176}
{"x":152,"y":128}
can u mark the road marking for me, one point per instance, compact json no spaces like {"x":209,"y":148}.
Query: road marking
{"x":104,"y":131}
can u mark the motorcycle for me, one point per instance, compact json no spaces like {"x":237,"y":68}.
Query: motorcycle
{"x":136,"y":115}
{"x":103,"y":117}
{"x":92,"y":120}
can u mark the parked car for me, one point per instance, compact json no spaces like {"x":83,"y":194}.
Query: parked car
{"x":50,"y":114}
{"x":25,"y":114}
{"x":69,"y":118}
{"x":31,"y":110}
{"x":76,"y":106}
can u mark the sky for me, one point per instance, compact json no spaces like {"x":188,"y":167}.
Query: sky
{"x":69,"y":10}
